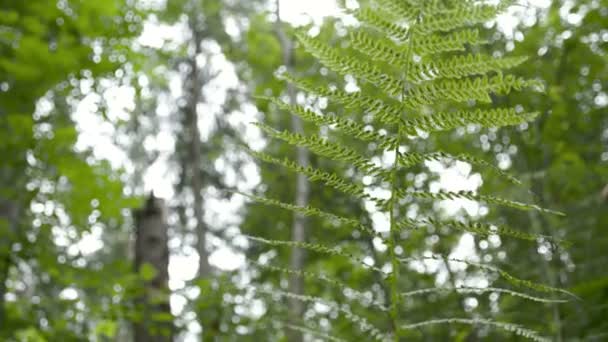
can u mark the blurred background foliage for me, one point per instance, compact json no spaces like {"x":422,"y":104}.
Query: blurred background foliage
{"x":65,"y":210}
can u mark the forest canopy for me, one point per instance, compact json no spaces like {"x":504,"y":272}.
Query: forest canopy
{"x":277,"y":170}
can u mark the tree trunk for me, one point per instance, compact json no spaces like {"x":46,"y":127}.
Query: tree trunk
{"x":298,"y":231}
{"x":151,"y":249}
{"x":196,"y":178}
{"x":9,"y":214}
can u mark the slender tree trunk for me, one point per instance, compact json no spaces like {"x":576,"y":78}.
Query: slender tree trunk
{"x":5,"y":262}
{"x":151,"y":249}
{"x":194,"y":87}
{"x":9,"y":214}
{"x":539,"y":224}
{"x":298,"y":231}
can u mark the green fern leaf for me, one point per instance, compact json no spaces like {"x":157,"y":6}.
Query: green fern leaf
{"x":462,"y":66}
{"x":360,"y":322}
{"x":384,"y":112}
{"x":318,"y":248}
{"x":443,"y":19}
{"x":469,"y":195}
{"x":325,"y":148}
{"x":479,"y":228}
{"x":351,"y":128}
{"x":311,"y":211}
{"x":412,"y":158}
{"x":399,"y":9}
{"x":504,"y":274}
{"x":450,"y":42}
{"x":446,"y":121}
{"x":514,"y":328}
{"x":463,"y":90}
{"x":344,"y":288}
{"x":376,"y":20}
{"x":329,"y":179}
{"x":332,"y":59}
{"x":322,"y":147}
{"x":379,"y":49}
{"x":481,"y":290}
{"x":410,"y":59}
{"x":313,"y":332}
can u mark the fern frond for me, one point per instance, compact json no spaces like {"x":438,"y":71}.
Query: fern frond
{"x":523,"y":282}
{"x":399,"y":9}
{"x":329,"y":179}
{"x":434,"y":7}
{"x":348,"y":65}
{"x":463,"y":90}
{"x":326,"y":279}
{"x":382,"y":111}
{"x":482,"y":290}
{"x":439,"y":43}
{"x":514,"y":328}
{"x":348,"y":127}
{"x":449,"y":120}
{"x":470,"y":195}
{"x":311,"y":211}
{"x":479,"y":228}
{"x":360,"y":322}
{"x":379,"y":49}
{"x":378,"y":21}
{"x":462,"y":66}
{"x":414,"y":69}
{"x":318,"y":248}
{"x":453,"y":67}
{"x":313,"y":332}
{"x":427,"y":7}
{"x":513,"y":280}
{"x":512,"y":204}
{"x":444,"y":20}
{"x":411,"y":158}
{"x":325,"y":148}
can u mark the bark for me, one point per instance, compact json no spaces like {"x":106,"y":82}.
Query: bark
{"x":151,"y":248}
{"x":194,"y":146}
{"x":298,"y":231}
{"x":9,"y":214}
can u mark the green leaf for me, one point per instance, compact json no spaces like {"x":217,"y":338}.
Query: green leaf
{"x":147,"y":271}
{"x":106,"y":328}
